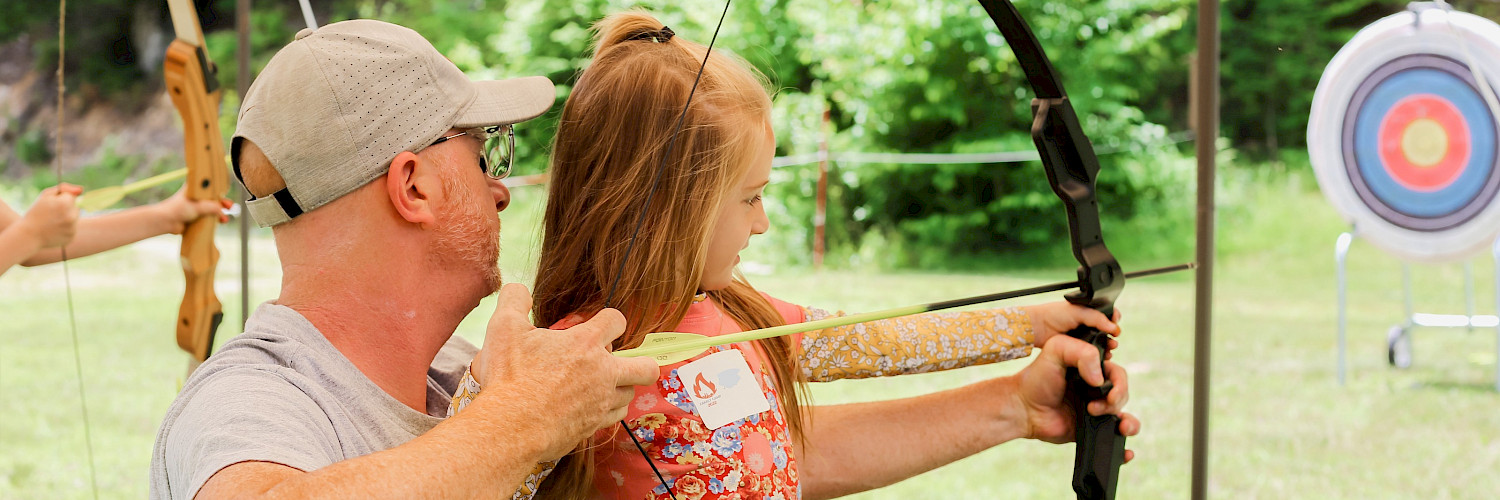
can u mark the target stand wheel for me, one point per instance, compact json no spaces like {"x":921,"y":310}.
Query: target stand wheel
{"x":1398,"y":347}
{"x":1403,"y":134}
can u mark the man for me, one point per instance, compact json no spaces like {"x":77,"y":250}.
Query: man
{"x":358,"y":142}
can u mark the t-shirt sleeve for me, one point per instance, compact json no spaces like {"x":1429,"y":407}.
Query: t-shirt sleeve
{"x":790,"y":313}
{"x":244,"y":416}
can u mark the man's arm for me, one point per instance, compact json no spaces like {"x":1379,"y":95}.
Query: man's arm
{"x":545,"y":392}
{"x":925,"y":432}
{"x":487,"y":449}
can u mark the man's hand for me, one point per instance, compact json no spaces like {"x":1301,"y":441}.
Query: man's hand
{"x":1055,"y":318}
{"x":568,"y":376}
{"x":1041,"y":388}
{"x":53,"y":219}
{"x":178,"y":210}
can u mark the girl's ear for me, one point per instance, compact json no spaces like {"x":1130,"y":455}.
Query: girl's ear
{"x":411,"y":184}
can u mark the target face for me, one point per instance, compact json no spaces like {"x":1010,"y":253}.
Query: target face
{"x":1403,"y":138}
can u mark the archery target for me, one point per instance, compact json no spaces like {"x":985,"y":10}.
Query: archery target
{"x":1402,"y":138}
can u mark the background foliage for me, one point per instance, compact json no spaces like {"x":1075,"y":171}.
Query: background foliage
{"x":895,"y":76}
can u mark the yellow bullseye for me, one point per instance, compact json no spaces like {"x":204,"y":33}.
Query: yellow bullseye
{"x":1424,"y":142}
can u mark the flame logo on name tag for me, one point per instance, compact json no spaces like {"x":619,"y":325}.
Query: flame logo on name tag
{"x":704,"y":389}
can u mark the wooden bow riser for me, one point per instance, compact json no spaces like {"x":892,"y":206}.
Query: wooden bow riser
{"x":189,"y":79}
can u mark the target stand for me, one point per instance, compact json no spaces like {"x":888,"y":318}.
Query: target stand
{"x":1399,"y":352}
{"x":1404,"y":141}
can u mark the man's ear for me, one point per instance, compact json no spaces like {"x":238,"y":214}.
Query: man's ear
{"x":411,"y":183}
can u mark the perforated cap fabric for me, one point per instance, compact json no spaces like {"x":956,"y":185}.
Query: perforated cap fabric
{"x":335,"y":106}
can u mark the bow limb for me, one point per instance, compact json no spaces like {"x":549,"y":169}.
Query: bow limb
{"x":1072,"y":170}
{"x":193,"y":86}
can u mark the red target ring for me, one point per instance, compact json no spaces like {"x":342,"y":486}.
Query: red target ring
{"x":1424,"y":142}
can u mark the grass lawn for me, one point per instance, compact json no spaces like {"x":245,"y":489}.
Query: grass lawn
{"x":1282,"y":427}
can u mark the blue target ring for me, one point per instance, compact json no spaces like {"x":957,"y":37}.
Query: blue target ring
{"x":1376,"y":173}
{"x":1443,"y":83}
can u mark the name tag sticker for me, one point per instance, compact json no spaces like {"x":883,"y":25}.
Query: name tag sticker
{"x":723,"y":388}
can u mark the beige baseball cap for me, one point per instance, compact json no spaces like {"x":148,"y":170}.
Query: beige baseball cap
{"x":335,"y":106}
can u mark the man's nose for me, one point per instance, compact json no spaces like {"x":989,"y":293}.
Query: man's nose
{"x":500,"y":193}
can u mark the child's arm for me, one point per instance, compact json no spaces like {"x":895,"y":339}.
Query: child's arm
{"x":110,"y":231}
{"x":936,"y":341}
{"x":50,"y":223}
{"x":914,"y":344}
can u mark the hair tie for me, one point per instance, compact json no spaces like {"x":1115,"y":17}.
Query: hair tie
{"x":658,"y":36}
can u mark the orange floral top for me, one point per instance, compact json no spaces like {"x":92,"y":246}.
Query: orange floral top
{"x":753,"y":457}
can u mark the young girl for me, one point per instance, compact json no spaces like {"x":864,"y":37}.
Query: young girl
{"x":681,"y":276}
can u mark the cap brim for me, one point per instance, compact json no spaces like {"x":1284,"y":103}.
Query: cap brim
{"x":502,"y":102}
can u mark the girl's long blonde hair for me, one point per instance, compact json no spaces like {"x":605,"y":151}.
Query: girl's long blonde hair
{"x":609,"y":145}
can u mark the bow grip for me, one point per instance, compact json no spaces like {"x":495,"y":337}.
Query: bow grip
{"x":1100,"y":447}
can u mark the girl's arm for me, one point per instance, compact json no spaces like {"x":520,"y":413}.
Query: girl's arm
{"x":937,"y":341}
{"x":861,"y":446}
{"x":51,"y":222}
{"x":914,"y":344}
{"x":110,"y":231}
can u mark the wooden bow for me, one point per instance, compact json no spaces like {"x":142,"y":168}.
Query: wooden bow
{"x":194,"y":87}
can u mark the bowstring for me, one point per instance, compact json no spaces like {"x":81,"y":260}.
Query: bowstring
{"x":88,"y":440}
{"x":641,"y":219}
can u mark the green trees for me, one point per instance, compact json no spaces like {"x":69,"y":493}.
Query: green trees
{"x":908,"y":76}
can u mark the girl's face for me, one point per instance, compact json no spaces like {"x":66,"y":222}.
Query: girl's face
{"x":740,"y":216}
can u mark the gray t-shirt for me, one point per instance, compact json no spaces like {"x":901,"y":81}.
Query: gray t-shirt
{"x":281,"y":393}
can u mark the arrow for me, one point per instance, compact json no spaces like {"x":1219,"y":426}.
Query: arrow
{"x":102,"y":198}
{"x":672,"y":347}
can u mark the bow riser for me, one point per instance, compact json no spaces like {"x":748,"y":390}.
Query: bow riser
{"x":1072,"y":170}
{"x":193,"y":89}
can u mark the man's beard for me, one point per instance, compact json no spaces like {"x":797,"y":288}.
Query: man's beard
{"x":465,"y":241}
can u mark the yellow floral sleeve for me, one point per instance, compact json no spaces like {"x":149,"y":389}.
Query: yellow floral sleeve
{"x":467,"y":390}
{"x":914,"y":344}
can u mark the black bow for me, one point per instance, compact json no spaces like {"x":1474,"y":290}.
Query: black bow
{"x":1072,"y":170}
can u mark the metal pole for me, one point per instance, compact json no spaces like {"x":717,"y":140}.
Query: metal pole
{"x":1469,"y":294}
{"x":1207,"y":134}
{"x":242,"y":53}
{"x":1340,"y":259}
{"x":1495,"y":254}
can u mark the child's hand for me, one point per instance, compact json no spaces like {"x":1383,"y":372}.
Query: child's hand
{"x":1048,"y":320}
{"x":179,"y":210}
{"x":53,"y":219}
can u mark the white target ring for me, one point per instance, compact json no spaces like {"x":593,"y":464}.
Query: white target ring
{"x":1403,"y":134}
